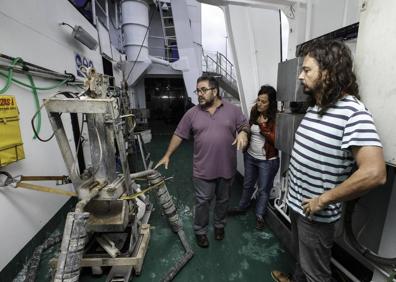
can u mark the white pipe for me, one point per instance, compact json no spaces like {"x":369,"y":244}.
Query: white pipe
{"x":107,"y":15}
{"x":344,"y":16}
{"x":159,"y":61}
{"x":116,"y":15}
{"x":309,"y":20}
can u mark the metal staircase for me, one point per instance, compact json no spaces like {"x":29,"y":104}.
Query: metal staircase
{"x":218,"y":65}
{"x":215,"y":64}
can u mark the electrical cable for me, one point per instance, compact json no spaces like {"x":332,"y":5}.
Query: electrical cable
{"x":26,"y":63}
{"x":36,"y":128}
{"x":141,"y":45}
{"x":36,"y":134}
{"x":63,"y":23}
{"x":61,"y":83}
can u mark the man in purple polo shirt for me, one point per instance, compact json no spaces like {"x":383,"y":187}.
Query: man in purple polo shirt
{"x":218,"y":129}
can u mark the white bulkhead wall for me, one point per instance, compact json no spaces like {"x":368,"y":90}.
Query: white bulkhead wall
{"x":254,"y":31}
{"x":375,"y":69}
{"x":31,"y":30}
{"x":255,"y":45}
{"x":187,"y":20}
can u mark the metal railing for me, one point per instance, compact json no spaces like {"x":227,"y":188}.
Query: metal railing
{"x":216,"y":62}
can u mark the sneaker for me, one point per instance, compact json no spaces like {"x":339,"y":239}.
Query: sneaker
{"x":280,"y":276}
{"x":202,"y":240}
{"x":260,"y":224}
{"x":219,"y":233}
{"x":235,"y":211}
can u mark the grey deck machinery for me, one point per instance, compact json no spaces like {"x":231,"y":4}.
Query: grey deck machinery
{"x":112,"y":213}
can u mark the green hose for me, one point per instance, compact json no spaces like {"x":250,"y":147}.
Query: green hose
{"x":37,"y":88}
{"x":32,"y":86}
{"x":37,"y":102}
{"x":9,"y":76}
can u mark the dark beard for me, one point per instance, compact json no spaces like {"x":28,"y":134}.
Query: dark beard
{"x":207,"y":104}
{"x":310,"y":92}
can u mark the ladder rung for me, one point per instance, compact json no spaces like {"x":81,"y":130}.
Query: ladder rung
{"x":171,"y":26}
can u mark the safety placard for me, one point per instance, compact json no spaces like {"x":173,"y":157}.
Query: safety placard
{"x":11,"y":145}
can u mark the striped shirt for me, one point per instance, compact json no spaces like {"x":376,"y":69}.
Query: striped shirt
{"x":322,"y":157}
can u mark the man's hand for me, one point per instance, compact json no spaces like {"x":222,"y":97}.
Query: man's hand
{"x":164,"y":161}
{"x":241,"y":140}
{"x":311,"y":206}
{"x":173,"y":145}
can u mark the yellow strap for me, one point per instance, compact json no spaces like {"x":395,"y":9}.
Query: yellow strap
{"x":45,"y":189}
{"x":134,"y":196}
{"x":42,"y":178}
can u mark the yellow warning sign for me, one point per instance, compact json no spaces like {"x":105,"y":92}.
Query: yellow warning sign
{"x":11,"y":145}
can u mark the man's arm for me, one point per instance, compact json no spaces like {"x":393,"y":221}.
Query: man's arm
{"x":371,"y":173}
{"x":173,"y":145}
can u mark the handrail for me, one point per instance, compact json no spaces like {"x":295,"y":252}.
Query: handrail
{"x":218,"y":63}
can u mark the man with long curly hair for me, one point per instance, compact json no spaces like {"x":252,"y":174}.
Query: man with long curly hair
{"x":336,"y":135}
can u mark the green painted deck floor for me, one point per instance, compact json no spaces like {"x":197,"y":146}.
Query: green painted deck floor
{"x":244,"y":255}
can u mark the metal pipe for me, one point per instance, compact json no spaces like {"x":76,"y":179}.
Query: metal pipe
{"x":38,"y":73}
{"x":159,"y":61}
{"x":26,"y":63}
{"x":93,"y":5}
{"x":107,"y":15}
{"x":344,"y":270}
{"x":309,"y":21}
{"x":143,"y":173}
{"x":116,"y":15}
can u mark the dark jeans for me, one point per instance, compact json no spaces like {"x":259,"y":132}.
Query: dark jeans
{"x":205,"y":192}
{"x":263,"y":172}
{"x":312,"y":243}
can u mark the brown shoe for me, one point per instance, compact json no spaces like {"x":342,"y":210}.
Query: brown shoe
{"x":280,"y":276}
{"x":219,"y":234}
{"x":260,"y":224}
{"x":202,"y":240}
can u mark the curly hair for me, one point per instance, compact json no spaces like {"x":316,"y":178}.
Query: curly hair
{"x":335,"y":62}
{"x":272,"y":109}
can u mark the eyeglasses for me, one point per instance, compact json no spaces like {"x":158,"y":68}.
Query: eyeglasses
{"x":202,"y":90}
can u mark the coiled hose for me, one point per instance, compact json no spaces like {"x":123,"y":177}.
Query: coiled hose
{"x":169,"y":209}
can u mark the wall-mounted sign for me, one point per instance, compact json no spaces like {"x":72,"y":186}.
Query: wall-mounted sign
{"x":82,"y":61}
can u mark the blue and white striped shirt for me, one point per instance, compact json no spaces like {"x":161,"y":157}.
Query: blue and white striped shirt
{"x":322,"y":156}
